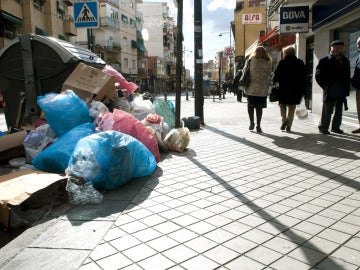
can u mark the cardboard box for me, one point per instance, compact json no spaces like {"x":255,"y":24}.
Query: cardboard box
{"x":90,"y":83}
{"x":27,"y":195}
{"x":12,"y":140}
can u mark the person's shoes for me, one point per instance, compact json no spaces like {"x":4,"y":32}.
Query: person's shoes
{"x":251,"y":127}
{"x":324,"y":131}
{"x":337,"y":130}
{"x":288,"y":129}
{"x":258,"y":129}
{"x":356,"y":131}
{"x":283,"y":126}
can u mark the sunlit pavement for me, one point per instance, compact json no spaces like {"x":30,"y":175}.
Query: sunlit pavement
{"x":235,"y":199}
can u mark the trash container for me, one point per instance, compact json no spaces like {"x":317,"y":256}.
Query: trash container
{"x":33,"y":65}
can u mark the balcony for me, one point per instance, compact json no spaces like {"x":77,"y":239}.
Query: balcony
{"x":69,"y":26}
{"x":109,"y":22}
{"x":114,"y":3}
{"x":108,"y":45}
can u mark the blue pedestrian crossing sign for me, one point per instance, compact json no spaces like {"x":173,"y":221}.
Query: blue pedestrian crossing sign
{"x":86,"y":14}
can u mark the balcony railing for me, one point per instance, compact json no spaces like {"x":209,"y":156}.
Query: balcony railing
{"x":108,"y":45}
{"x":273,"y":6}
{"x":108,"y":21}
{"x":115,"y":3}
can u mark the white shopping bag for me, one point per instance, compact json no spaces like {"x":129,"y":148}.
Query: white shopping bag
{"x":301,"y":111}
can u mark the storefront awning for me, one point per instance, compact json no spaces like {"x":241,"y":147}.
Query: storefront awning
{"x":41,"y":32}
{"x":266,"y":36}
{"x":274,"y":40}
{"x":326,"y":11}
{"x":139,"y":43}
{"x":10,"y":17}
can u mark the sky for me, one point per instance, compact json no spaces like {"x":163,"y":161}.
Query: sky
{"x":216,"y":18}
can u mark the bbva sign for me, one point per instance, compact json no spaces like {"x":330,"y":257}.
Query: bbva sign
{"x":294,"y":14}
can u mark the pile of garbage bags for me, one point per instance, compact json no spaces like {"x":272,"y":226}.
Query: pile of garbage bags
{"x":105,"y":146}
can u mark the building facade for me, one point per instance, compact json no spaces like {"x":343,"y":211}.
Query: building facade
{"x":47,"y":18}
{"x":119,"y":40}
{"x":160,"y":45}
{"x":329,"y":20}
{"x":249,"y":26}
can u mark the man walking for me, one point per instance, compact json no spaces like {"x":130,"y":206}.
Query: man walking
{"x":355,"y":81}
{"x":333,"y":75}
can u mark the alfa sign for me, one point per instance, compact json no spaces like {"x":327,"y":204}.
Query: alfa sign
{"x":252,"y":18}
{"x":294,"y":19}
{"x":86,"y":14}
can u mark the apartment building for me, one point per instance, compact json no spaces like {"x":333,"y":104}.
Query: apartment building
{"x":249,"y":26}
{"x":160,"y":45}
{"x":48,"y":18}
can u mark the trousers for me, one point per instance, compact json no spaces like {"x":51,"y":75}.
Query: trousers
{"x":328,"y":110}
{"x":288,"y":117}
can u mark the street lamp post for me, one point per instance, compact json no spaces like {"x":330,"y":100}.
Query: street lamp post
{"x":229,"y":54}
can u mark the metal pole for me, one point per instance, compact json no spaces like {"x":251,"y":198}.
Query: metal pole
{"x":220,"y":66}
{"x":178,"y":63}
{"x":230,"y":58}
{"x":198,"y":61}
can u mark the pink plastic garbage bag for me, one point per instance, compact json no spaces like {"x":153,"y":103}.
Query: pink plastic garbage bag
{"x":123,"y":83}
{"x":126,"y":123}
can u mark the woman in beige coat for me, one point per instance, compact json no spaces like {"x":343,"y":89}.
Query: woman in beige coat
{"x":258,"y":90}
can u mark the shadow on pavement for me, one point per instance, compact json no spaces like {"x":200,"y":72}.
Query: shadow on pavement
{"x":307,"y":249}
{"x":318,"y":144}
{"x":116,"y":201}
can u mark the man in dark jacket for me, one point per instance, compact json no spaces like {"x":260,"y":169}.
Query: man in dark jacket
{"x":291,"y":76}
{"x":355,"y":81}
{"x":333,"y":75}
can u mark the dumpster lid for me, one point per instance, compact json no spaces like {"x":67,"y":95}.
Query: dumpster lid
{"x":67,"y":51}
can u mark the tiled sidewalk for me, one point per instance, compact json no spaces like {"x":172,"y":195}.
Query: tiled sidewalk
{"x":235,"y":200}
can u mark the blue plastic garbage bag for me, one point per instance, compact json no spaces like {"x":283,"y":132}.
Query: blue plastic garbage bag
{"x":55,"y":158}
{"x":64,"y":111}
{"x":110,"y":159}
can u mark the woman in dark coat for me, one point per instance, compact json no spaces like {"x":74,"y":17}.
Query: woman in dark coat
{"x":291,"y":76}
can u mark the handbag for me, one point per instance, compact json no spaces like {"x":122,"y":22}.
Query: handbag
{"x":245,"y":76}
{"x":274,"y":94}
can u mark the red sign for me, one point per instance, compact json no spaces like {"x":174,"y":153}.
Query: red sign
{"x":228,"y":51}
{"x":252,"y":18}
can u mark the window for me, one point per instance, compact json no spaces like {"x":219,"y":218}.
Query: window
{"x":126,"y":63}
{"x":125,"y":41}
{"x":60,"y":9}
{"x":133,"y":64}
{"x":114,"y":14}
{"x":38,"y":4}
{"x":124,"y":19}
